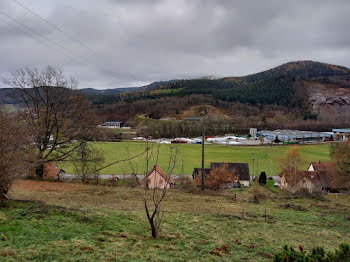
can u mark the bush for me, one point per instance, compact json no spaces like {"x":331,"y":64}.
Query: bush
{"x":317,"y":254}
{"x":257,"y":194}
{"x":190,"y":186}
{"x":306,"y":194}
{"x":219,"y":178}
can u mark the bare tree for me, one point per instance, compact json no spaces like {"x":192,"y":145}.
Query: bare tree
{"x":340,"y":167}
{"x":87,"y":162}
{"x":57,"y":114}
{"x":219,"y":178}
{"x":153,"y":196}
{"x":13,"y":146}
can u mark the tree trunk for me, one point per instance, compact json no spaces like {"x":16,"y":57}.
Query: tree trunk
{"x":153,"y":228}
{"x":3,"y":195}
{"x":39,"y":171}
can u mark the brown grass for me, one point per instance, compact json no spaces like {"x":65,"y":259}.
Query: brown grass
{"x":125,"y":198}
{"x":212,"y":226}
{"x":33,"y":185}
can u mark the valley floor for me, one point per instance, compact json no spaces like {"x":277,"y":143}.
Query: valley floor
{"x":75,"y":222}
{"x":267,"y":158}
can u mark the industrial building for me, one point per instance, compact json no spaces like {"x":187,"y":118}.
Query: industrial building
{"x":296,"y":135}
{"x":342,"y":134}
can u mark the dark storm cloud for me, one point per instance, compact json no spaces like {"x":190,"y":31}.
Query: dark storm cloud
{"x":137,"y":42}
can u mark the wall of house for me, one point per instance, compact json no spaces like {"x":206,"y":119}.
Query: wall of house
{"x":245,"y":183}
{"x":304,"y":184}
{"x":311,"y":168}
{"x":156,"y":180}
{"x":284,"y":184}
{"x":50,"y":170}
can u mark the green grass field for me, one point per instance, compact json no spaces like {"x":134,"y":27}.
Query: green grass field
{"x":189,"y":156}
{"x":74,"y":222}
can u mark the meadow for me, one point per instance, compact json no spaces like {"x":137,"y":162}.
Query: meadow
{"x":267,"y":158}
{"x":76,"y":222}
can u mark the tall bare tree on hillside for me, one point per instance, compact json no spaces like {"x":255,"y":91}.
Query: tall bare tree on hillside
{"x":57,"y":114}
{"x":87,"y":161}
{"x":291,"y":162}
{"x":340,"y":174}
{"x":14,"y":144}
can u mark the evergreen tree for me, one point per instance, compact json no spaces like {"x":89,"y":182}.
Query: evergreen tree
{"x":277,"y":140}
{"x":262,"y":178}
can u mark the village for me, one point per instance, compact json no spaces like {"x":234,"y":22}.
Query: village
{"x":316,"y":178}
{"x":262,"y":179}
{"x":174,"y":131}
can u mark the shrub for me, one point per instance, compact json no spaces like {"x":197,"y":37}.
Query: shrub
{"x":219,"y":178}
{"x":190,"y":186}
{"x":316,"y":254}
{"x":303,"y":193}
{"x":257,"y":194}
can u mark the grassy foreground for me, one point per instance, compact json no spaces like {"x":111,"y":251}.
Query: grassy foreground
{"x":189,"y":156}
{"x":73,"y":222}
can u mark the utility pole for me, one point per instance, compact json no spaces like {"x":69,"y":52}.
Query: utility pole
{"x":203,"y":169}
{"x":182,"y":169}
{"x":295,"y":171}
{"x":201,"y":118}
{"x":253,"y":163}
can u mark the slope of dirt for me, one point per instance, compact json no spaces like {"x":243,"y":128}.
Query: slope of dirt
{"x":329,"y":100}
{"x":198,"y":110}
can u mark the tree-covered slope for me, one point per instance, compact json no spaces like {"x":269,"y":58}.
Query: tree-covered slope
{"x":279,"y":86}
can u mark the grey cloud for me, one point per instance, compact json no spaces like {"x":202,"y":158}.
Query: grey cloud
{"x":137,"y":42}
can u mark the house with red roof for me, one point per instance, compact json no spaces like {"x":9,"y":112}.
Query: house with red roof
{"x":315,"y":179}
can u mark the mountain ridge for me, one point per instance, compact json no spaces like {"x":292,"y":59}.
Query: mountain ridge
{"x":313,"y":88}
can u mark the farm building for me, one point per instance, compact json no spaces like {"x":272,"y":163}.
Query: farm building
{"x":241,"y":170}
{"x":112,"y":124}
{"x":51,"y":171}
{"x":156,"y":178}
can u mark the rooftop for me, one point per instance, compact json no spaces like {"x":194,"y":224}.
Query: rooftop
{"x":293,"y":134}
{"x":341,"y":130}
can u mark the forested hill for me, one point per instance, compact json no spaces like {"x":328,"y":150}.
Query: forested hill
{"x":113,"y":91}
{"x":299,"y":70}
{"x":279,"y":86}
{"x":305,"y":87}
{"x":306,"y":70}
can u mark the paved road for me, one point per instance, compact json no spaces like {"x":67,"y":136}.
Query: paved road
{"x":69,"y":177}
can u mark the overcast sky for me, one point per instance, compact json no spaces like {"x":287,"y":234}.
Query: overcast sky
{"x":121,"y":43}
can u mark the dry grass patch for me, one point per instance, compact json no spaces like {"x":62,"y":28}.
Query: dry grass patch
{"x":97,"y":223}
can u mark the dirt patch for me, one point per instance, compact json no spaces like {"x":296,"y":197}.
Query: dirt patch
{"x":292,"y":206}
{"x":219,"y":250}
{"x":265,"y":254}
{"x":33,"y":185}
{"x":211,"y":111}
